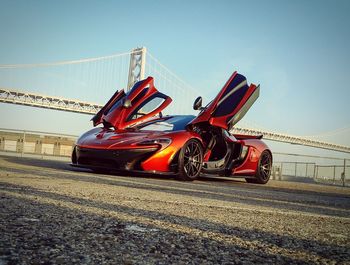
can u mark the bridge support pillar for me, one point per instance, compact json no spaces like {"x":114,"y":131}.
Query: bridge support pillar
{"x":137,"y":66}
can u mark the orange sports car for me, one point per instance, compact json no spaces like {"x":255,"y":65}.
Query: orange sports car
{"x":134,"y":136}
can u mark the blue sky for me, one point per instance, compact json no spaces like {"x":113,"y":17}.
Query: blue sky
{"x":297,"y":50}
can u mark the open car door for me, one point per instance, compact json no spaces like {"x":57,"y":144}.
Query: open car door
{"x":231,"y":104}
{"x":124,"y":110}
{"x":98,"y":118}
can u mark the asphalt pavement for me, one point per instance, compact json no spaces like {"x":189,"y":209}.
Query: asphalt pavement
{"x":51,"y":213}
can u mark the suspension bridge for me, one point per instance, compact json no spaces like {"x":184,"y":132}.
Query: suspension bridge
{"x":77,"y":86}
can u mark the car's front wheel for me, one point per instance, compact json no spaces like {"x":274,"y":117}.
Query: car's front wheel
{"x":263,"y":171}
{"x":190,"y":160}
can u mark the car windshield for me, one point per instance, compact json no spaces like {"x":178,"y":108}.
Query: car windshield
{"x":168,"y":124}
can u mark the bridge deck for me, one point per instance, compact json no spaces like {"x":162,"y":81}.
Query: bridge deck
{"x":36,"y":100}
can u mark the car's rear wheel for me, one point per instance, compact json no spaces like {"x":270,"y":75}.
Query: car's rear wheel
{"x":74,"y":156}
{"x":263,"y":171}
{"x":190,"y":160}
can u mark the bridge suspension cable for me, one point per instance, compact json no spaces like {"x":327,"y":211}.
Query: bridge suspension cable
{"x":86,"y":60}
{"x":168,"y":82}
{"x":91,"y":79}
{"x":171,"y":73}
{"x":96,"y":79}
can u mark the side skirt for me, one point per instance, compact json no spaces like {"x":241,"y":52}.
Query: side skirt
{"x":149,"y":172}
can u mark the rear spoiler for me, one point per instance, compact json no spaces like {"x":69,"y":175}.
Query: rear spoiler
{"x":245,"y":136}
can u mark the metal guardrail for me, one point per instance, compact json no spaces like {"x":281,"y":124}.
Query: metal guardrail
{"x":312,"y":172}
{"x":332,"y":174}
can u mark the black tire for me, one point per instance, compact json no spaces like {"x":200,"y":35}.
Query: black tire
{"x":190,"y":160}
{"x":74,"y":156}
{"x":263,"y":171}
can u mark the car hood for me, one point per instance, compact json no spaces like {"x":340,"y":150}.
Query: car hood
{"x":101,"y":138}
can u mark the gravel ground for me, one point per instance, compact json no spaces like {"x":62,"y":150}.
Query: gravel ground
{"x":53,"y":214}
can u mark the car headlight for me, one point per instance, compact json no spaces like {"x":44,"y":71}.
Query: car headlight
{"x":164,"y":142}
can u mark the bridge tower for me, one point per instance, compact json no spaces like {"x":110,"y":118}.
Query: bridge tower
{"x":137,"y":66}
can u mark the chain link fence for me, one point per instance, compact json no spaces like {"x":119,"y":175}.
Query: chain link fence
{"x":317,"y":169}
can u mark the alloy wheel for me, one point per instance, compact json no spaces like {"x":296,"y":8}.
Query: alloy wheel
{"x":265,"y":166}
{"x":193,"y":159}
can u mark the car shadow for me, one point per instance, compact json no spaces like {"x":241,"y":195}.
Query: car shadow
{"x":204,"y":179}
{"x":236,"y":192}
{"x":269,"y":240}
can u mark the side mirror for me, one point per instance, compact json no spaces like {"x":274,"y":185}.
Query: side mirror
{"x":127,"y":103}
{"x":197,"y":105}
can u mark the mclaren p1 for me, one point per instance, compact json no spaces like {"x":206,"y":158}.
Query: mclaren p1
{"x":131,"y":134}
